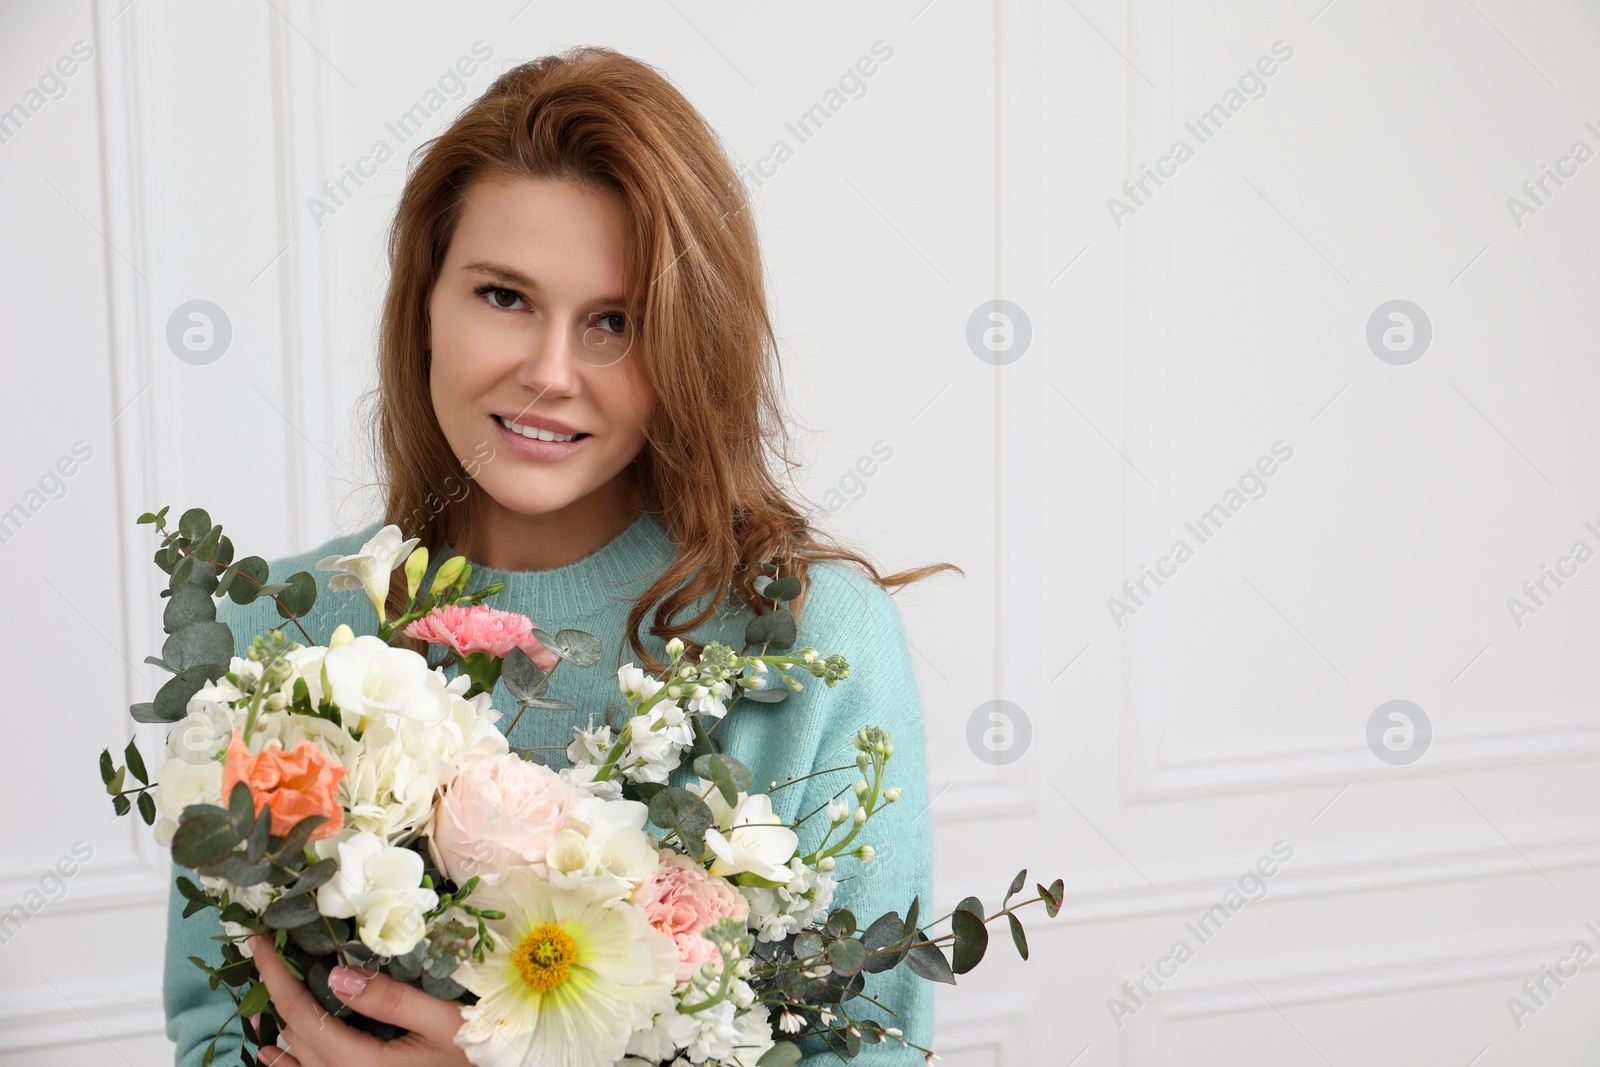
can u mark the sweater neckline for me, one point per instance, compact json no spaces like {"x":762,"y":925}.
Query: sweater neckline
{"x":622,"y":568}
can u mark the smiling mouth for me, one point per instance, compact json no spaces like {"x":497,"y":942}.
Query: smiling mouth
{"x":535,"y":434}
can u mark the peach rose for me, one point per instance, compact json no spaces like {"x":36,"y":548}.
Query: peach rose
{"x":501,"y":812}
{"x":681,"y":899}
{"x":301,"y":782}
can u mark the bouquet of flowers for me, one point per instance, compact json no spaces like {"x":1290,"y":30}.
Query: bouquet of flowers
{"x":353,"y":804}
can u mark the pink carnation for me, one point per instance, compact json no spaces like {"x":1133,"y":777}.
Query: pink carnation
{"x":681,"y":899}
{"x":482,"y":629}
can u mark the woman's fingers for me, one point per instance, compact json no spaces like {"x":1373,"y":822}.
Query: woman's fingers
{"x":323,"y":1037}
{"x":276,"y":1057}
{"x":377,"y":996}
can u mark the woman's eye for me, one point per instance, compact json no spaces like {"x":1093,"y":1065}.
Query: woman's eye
{"x":502,"y":299}
{"x":612,"y":321}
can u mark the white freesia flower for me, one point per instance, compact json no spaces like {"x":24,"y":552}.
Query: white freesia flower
{"x":368,"y":570}
{"x":369,"y":677}
{"x":378,"y":885}
{"x":635,"y":684}
{"x":755,"y":842}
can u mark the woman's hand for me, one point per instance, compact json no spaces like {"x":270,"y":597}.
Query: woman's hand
{"x":318,"y":1039}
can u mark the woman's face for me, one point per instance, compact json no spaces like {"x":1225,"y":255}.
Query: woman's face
{"x":530,"y":341}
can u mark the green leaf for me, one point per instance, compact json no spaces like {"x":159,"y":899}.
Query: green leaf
{"x":288,"y":912}
{"x":135,"y":762}
{"x":297,"y":600}
{"x":204,"y":839}
{"x":115,"y":785}
{"x":256,"y":1000}
{"x":227,"y":579}
{"x":182,"y":571}
{"x":678,"y":809}
{"x":785,"y":588}
{"x":194,"y":525}
{"x":783,"y":1054}
{"x":766,"y":696}
{"x":929,"y":962}
{"x":1018,"y":938}
{"x":774,"y":630}
{"x":172,"y":699}
{"x":841,"y":923}
{"x":189,"y":603}
{"x":106,"y":767}
{"x":147,"y":519}
{"x":972,"y":939}
{"x":313,"y":877}
{"x":972,"y":904}
{"x":315,"y":938}
{"x":317,"y":983}
{"x":294,"y":842}
{"x":242,"y":809}
{"x":147,"y":808}
{"x":548,"y":704}
{"x":243,"y":590}
{"x":522,"y":676}
{"x":255,"y":846}
{"x":224,"y":553}
{"x":1016,"y":887}
{"x":731,"y":776}
{"x":199,"y":643}
{"x":120,"y":805}
{"x":1052,"y":897}
{"x":807,"y":945}
{"x":208,"y":544}
{"x":881,"y":938}
{"x":581,"y":648}
{"x":847,"y":956}
{"x":911,"y":913}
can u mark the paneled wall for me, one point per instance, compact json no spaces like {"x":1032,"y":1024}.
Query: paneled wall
{"x":1199,"y":219}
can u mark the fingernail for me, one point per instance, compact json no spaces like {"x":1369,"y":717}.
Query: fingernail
{"x":346,"y":981}
{"x":255,"y":1023}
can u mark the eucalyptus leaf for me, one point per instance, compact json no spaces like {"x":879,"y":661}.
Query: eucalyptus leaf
{"x":678,"y":809}
{"x":783,"y":1054}
{"x":1018,"y":938}
{"x":298,"y":598}
{"x":847,"y":956}
{"x":731,"y":776}
{"x":582,"y":648}
{"x":521,"y":675}
{"x":204,"y":839}
{"x":189,"y":604}
{"x":548,"y":704}
{"x":775,"y":630}
{"x":252,"y":575}
{"x":195,"y":523}
{"x":972,"y":939}
{"x":929,"y":962}
{"x":285,"y":913}
{"x":199,"y":643}
{"x":766,"y":696}
{"x":785,"y":588}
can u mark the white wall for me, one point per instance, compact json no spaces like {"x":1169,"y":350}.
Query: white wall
{"x":1174,"y":341}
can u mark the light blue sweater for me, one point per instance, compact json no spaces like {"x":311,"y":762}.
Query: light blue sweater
{"x":845,"y":613}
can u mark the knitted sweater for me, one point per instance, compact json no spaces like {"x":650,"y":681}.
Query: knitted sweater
{"x":812,"y":730}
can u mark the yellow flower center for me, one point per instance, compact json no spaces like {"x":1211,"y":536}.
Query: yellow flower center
{"x":544,"y":957}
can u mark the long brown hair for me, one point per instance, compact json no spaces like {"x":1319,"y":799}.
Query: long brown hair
{"x":693,"y":283}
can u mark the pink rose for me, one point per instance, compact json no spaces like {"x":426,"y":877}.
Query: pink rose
{"x":482,"y":629}
{"x":681,"y":899}
{"x":501,"y":812}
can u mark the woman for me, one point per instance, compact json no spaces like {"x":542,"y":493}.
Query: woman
{"x":576,"y":391}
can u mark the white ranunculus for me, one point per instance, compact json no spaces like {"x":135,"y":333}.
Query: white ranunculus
{"x":368,"y":570}
{"x":380,"y":886}
{"x":604,"y":840}
{"x":756,"y":842}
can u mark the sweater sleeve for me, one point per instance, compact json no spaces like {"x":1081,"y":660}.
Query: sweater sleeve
{"x":856,"y":617}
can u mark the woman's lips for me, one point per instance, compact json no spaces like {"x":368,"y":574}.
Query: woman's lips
{"x":533,"y":448}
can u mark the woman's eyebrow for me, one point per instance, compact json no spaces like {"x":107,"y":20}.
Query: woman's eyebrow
{"x":501,"y":272}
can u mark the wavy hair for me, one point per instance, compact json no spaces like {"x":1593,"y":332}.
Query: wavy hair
{"x":693,"y":283}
